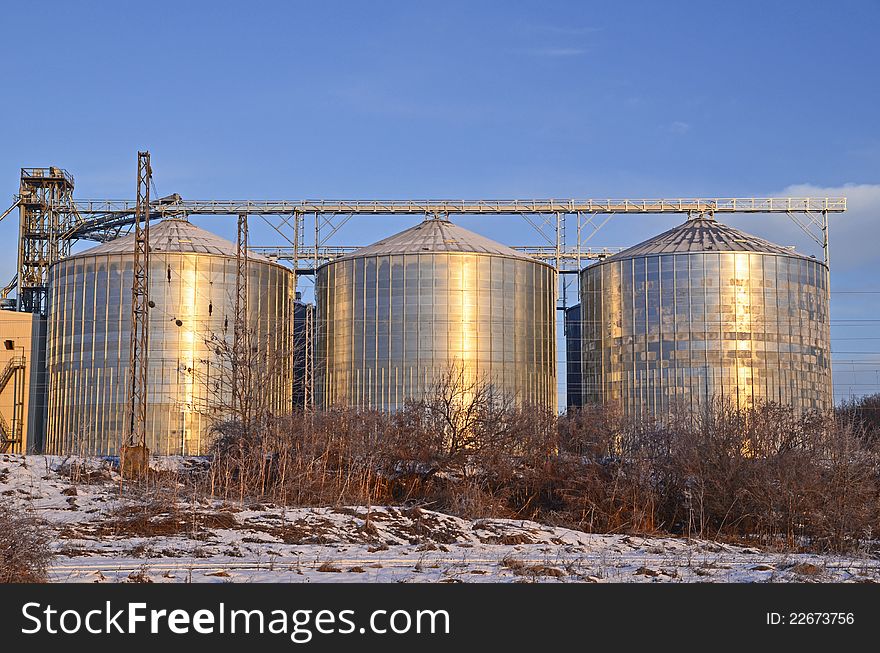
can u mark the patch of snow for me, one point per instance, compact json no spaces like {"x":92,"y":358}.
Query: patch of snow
{"x":107,"y":531}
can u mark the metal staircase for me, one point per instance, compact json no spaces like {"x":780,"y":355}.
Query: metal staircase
{"x":10,"y":436}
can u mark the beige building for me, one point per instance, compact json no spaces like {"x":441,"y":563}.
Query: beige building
{"x":22,"y":381}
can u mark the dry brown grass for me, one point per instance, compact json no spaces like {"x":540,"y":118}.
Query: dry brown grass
{"x":329,"y":568}
{"x":140,"y":576}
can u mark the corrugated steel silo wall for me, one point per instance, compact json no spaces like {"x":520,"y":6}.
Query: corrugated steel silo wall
{"x":189,"y":383}
{"x":303,"y":329}
{"x":38,"y":393}
{"x":680,"y":329}
{"x":389,"y":327}
{"x":574,"y":377}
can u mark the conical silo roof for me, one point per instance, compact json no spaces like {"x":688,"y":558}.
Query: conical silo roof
{"x":703,"y":235}
{"x":173,"y":235}
{"x":436,"y":236}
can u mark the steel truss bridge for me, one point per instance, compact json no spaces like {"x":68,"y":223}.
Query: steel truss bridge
{"x":51,"y":220}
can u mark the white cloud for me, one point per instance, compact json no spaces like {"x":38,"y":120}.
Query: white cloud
{"x":854,"y":236}
{"x":678,"y":127}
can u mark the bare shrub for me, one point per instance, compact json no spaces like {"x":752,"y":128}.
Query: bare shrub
{"x":769,"y":475}
{"x":863,"y":412}
{"x":24,"y":548}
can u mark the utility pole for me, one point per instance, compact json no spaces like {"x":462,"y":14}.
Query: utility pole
{"x":135,"y":454}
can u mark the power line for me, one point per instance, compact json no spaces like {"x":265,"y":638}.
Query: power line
{"x":855,"y":338}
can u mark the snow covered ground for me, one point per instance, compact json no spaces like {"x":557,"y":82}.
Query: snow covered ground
{"x":107,"y":531}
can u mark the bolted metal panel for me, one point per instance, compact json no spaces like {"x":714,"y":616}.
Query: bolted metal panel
{"x":191,"y":335}
{"x":669,"y":326}
{"x":391,"y":323}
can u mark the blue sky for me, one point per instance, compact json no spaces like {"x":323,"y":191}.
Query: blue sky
{"x":464,"y":99}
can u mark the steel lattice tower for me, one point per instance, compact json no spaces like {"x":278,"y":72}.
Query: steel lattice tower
{"x":240,"y":346}
{"x":140,"y":298}
{"x":45,"y":200}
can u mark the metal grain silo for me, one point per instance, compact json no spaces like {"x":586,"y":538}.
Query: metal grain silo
{"x":705,"y":311}
{"x":193,"y":289}
{"x":394,"y":317}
